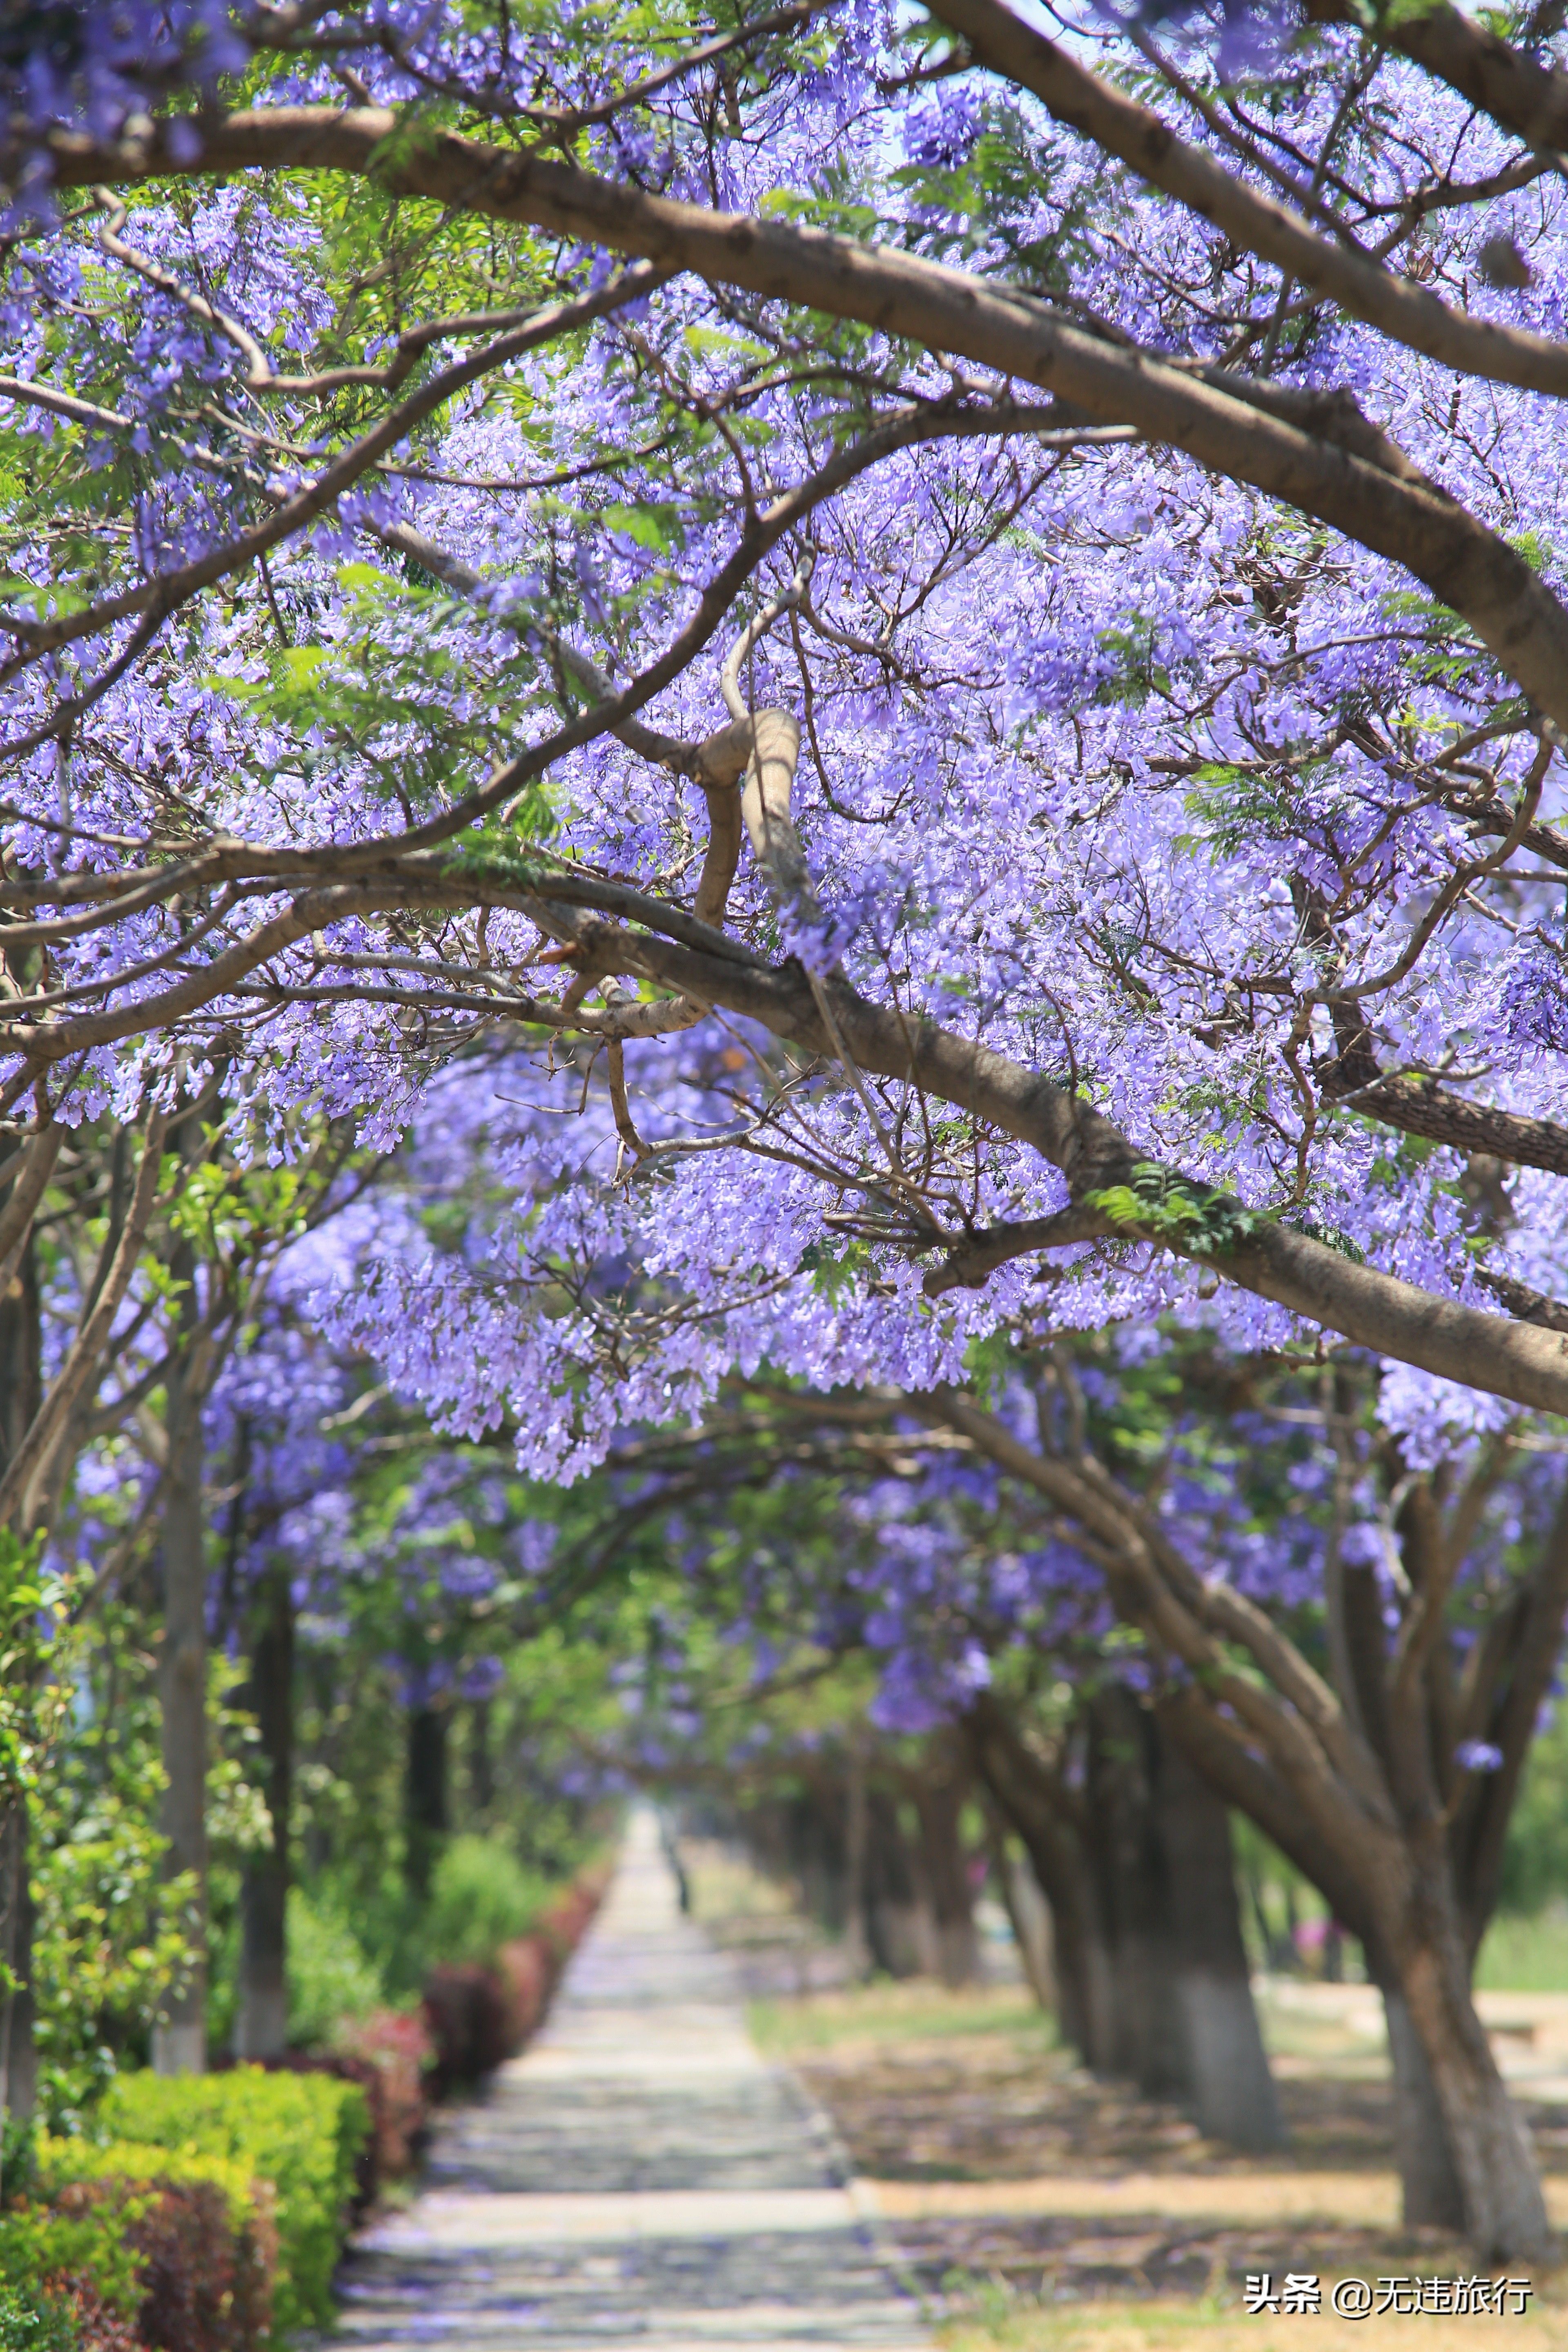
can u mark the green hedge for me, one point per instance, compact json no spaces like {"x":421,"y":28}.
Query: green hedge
{"x":301,"y":2132}
{"x":31,"y":2321}
{"x":84,"y":2238}
{"x":79,"y":2219}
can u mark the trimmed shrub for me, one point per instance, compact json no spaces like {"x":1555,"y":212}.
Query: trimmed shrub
{"x":565,"y":1919}
{"x":344,"y":2068}
{"x":62,"y":2315}
{"x":80,"y":2233}
{"x":397,"y":2043}
{"x":480,"y":1897}
{"x":480,"y":2013}
{"x":465,"y":2009}
{"x":303,"y":2133}
{"x":32,"y":2319}
{"x":208,"y":2286}
{"x":527,"y":1967}
{"x":331,"y":1976}
{"x":97,"y":2329}
{"x":179,"y":2243}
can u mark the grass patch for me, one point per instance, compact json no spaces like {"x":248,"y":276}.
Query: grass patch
{"x":1525,"y":1955}
{"x":1218,"y":2323}
{"x":885,"y":2011}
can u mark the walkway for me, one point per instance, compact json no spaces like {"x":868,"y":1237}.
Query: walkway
{"x":640,"y":2174}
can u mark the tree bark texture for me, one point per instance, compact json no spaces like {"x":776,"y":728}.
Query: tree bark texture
{"x":21,"y":1392}
{"x":1229,"y":2087}
{"x":891,"y":1917}
{"x":179,"y":2040}
{"x":856,"y":1833}
{"x":1049,"y":1823}
{"x":1493,"y":2159}
{"x":426,"y":1811}
{"x":1152,"y":1971}
{"x":939,"y":1789}
{"x":18,"y":2056}
{"x":1029,"y":1913}
{"x":261,"y":2029}
{"x":1433,"y":2199}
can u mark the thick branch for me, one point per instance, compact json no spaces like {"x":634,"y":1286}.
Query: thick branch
{"x":1413,"y":522}
{"x":39,"y":1157}
{"x":1529,"y":1305}
{"x":967,"y":1266}
{"x":1420,"y":1105}
{"x":30,"y":1467}
{"x":1396,"y":307}
{"x":1526,"y":96}
{"x":1214,"y":1748}
{"x":1375,"y":1310}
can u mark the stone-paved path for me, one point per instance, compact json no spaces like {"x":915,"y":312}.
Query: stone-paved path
{"x":641,"y":2175}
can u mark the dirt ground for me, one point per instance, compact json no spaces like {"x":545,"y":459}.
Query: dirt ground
{"x":1037,"y":2209}
{"x":990,"y":2112}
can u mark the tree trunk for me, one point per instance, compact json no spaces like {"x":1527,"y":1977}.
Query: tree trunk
{"x":1128,"y":1862}
{"x":21,"y":1393}
{"x":1421,"y":2142}
{"x":426,"y":1813}
{"x":261,"y":2029}
{"x":179,"y":2040}
{"x":18,"y":2056}
{"x":856,"y":1828}
{"x":815,"y":1828}
{"x":1230,"y":2088}
{"x":1499,"y":2182}
{"x":1031,"y":1798}
{"x":481,"y":1761}
{"x":939,"y":1802}
{"x":891,"y":1888}
{"x":1029,"y":1913}
{"x":1432,"y":2195}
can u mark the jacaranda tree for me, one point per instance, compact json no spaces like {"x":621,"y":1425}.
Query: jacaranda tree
{"x":957,"y":638}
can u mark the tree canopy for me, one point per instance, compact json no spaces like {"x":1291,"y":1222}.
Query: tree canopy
{"x":700,"y":703}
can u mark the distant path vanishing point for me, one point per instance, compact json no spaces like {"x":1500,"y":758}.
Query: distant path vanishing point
{"x":641,"y":2175}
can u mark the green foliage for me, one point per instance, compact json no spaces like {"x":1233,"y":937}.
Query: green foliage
{"x":503,"y":850}
{"x":1231,"y":805}
{"x":414,"y":692}
{"x":480,"y":1897}
{"x":1525,"y":1955}
{"x":31,"y":2321}
{"x":34,"y":1618}
{"x":1535,"y":1854}
{"x":1136,"y":670}
{"x":66,"y":2163}
{"x":87,"y":2240}
{"x":1194,"y":1218}
{"x":113,"y":1937}
{"x":218,"y":1208}
{"x":301,"y":2132}
{"x":331,"y":1979}
{"x":84,"y":2202}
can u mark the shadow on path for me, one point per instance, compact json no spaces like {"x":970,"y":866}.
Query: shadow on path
{"x":639,"y":2174}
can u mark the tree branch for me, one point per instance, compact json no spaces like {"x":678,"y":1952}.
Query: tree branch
{"x":1412,"y":522}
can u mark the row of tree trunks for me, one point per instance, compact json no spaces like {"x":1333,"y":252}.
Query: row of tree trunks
{"x":1148,"y":1959}
{"x":876,"y":1847}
